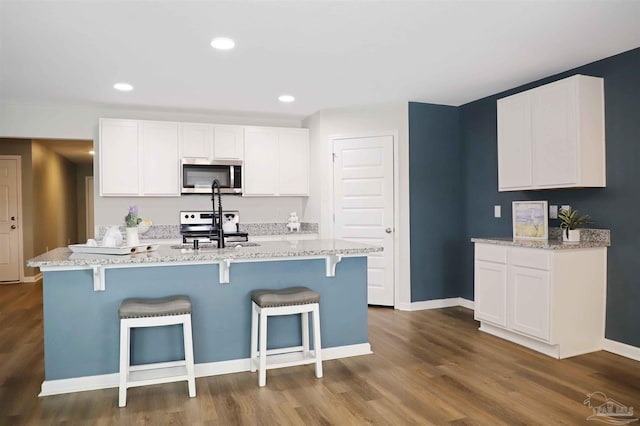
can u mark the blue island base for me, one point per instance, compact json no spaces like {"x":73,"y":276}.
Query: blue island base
{"x":81,"y":326}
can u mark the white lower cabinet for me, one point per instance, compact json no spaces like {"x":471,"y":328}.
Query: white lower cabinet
{"x":552,"y":301}
{"x":529,"y":301}
{"x":491,"y":292}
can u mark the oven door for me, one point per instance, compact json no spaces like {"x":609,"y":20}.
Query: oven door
{"x":198,"y":175}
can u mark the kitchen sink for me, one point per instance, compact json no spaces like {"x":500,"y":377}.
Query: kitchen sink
{"x":211,"y":246}
{"x":242,"y":244}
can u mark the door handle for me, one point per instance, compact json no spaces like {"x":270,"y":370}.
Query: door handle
{"x":388,"y":230}
{"x":13,"y":227}
{"x":13,"y":218}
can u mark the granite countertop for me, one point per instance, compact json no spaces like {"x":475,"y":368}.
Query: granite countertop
{"x":63,"y":256}
{"x":589,"y":238}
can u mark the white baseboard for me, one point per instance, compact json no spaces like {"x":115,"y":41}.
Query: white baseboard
{"x":32,"y":278}
{"x":621,"y":349}
{"x":436,"y":304}
{"x":79,"y":384}
{"x":466,"y":303}
{"x":105,"y":381}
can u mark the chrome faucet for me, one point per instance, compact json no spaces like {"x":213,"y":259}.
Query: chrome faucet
{"x":217,"y":223}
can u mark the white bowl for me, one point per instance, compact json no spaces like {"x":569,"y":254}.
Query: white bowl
{"x":143,"y":227}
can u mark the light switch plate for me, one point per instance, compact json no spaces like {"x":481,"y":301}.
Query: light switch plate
{"x":497,"y":211}
{"x":565,"y":207}
{"x":553,"y":212}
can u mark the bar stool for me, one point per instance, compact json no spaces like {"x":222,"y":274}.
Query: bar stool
{"x":155,"y":313}
{"x":293,"y":300}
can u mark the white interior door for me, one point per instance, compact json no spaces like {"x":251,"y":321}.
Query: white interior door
{"x":9,"y":236}
{"x":363,"y":205}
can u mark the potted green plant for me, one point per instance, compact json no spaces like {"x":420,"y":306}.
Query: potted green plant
{"x":570,"y":221}
{"x":132,"y":220}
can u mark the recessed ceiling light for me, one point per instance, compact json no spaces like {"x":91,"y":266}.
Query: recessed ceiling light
{"x":222,"y":43}
{"x":123,"y":87}
{"x":286,"y":98}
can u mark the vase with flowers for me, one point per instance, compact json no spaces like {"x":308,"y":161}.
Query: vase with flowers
{"x":132,"y":220}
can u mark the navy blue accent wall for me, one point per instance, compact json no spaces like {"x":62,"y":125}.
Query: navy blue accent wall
{"x":615,"y":207}
{"x":436,"y":197}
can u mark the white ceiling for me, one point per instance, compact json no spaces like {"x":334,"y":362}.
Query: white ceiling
{"x":328,"y":54}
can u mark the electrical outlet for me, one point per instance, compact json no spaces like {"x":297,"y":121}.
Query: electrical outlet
{"x":553,"y":212}
{"x":497,"y":211}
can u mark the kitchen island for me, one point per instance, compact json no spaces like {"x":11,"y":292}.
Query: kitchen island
{"x":82,"y":293}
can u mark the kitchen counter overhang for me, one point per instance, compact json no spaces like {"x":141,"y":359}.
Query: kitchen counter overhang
{"x":332,"y":251}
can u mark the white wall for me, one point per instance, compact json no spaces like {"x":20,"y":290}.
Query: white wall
{"x":66,"y":121}
{"x":359,"y":121}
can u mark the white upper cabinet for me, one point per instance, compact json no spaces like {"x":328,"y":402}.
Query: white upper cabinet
{"x":143,"y":158}
{"x":211,"y":141}
{"x":260,"y":168}
{"x":160,"y":158}
{"x":514,"y":142}
{"x":228,"y":142}
{"x":553,"y":136}
{"x":196,"y":140}
{"x":293,"y":156}
{"x":139,"y":158}
{"x":276,"y":162}
{"x":119,"y":157}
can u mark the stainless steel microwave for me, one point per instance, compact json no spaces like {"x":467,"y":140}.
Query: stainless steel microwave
{"x":198,"y":175}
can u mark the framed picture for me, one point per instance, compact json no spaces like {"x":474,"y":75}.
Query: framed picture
{"x":530,"y":220}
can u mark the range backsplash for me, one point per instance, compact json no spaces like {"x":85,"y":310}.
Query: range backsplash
{"x":158,"y":232}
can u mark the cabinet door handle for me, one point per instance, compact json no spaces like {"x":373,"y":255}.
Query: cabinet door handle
{"x":13,"y":227}
{"x":388,"y":230}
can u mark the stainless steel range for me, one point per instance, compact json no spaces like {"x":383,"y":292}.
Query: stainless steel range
{"x":198,"y":226}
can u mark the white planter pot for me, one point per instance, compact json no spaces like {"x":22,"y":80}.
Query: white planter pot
{"x":574,"y":236}
{"x":132,"y":236}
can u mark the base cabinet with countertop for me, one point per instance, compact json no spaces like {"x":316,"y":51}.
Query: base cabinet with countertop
{"x":552,"y":300}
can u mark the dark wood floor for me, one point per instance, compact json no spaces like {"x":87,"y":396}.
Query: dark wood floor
{"x":429,"y":367}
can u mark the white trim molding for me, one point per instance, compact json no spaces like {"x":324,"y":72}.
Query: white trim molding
{"x":105,"y":381}
{"x":436,"y":304}
{"x":621,"y":349}
{"x":32,"y":278}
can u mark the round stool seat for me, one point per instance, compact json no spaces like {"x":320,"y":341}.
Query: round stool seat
{"x":141,"y":308}
{"x":291,"y":296}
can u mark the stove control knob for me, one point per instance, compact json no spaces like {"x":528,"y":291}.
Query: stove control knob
{"x":186,"y":216}
{"x":193,"y":216}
